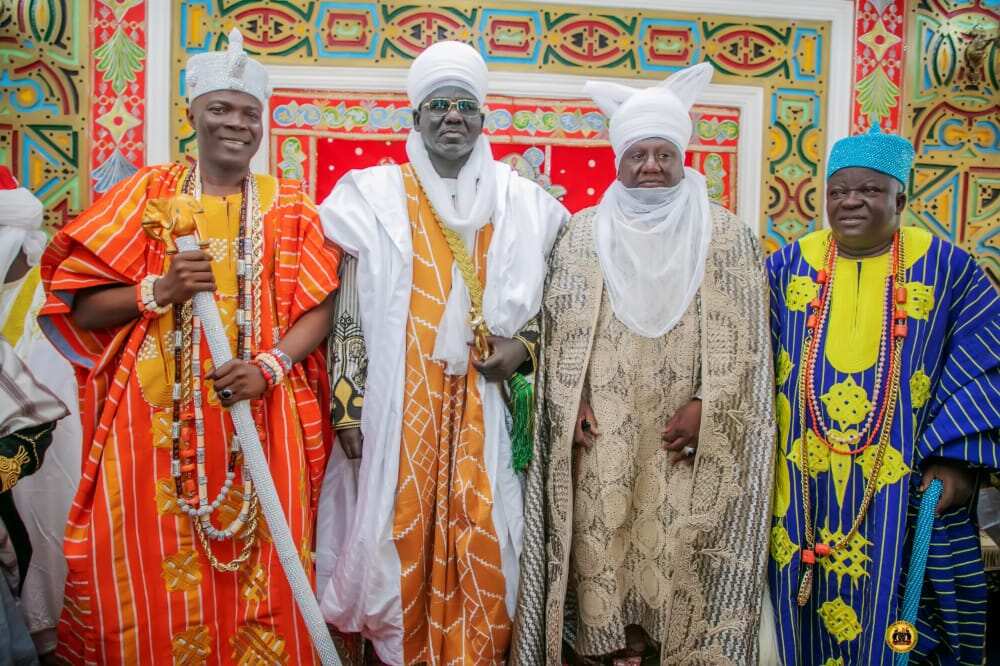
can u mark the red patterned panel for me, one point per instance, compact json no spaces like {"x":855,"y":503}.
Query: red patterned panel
{"x":878,"y":64}
{"x":561,"y":144}
{"x":118,"y":100}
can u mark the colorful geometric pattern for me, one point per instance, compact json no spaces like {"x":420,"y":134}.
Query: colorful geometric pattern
{"x":562,"y":145}
{"x":44,"y":87}
{"x":952,"y":114}
{"x":118,"y":99}
{"x":789,"y":59}
{"x":878,"y":64}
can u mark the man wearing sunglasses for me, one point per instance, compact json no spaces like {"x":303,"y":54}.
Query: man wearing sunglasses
{"x":419,"y":541}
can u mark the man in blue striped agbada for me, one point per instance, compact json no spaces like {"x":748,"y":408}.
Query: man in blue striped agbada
{"x":886,"y":347}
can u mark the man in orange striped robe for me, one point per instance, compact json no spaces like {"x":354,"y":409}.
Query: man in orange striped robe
{"x":144,"y":584}
{"x":424,"y":562}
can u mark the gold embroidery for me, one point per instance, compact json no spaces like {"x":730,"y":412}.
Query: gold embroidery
{"x":839,"y":661}
{"x":231,"y":505}
{"x":166,"y":497}
{"x":306,"y":553}
{"x":182,"y":571}
{"x":154,"y":365}
{"x":849,"y":560}
{"x":801,"y":290}
{"x":253,"y":583}
{"x":257,"y":645}
{"x":161,"y":429}
{"x":840,"y":620}
{"x":192,"y":646}
{"x":920,"y":389}
{"x":10,"y":468}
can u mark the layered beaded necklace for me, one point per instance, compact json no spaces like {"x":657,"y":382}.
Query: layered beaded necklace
{"x":879,"y":421}
{"x":187,"y":443}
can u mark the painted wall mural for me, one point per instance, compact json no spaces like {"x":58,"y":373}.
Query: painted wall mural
{"x":789,"y":60}
{"x":118,"y":100}
{"x":952,"y":114}
{"x":319,"y":136}
{"x":44,"y":88}
{"x":72,"y":97}
{"x":72,"y":77}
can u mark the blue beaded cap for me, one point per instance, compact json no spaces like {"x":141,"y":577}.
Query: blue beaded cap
{"x":890,"y":154}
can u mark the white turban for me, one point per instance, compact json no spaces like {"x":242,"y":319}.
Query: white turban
{"x":20,"y":223}
{"x":661,"y":111}
{"x":231,"y":69}
{"x":447,"y":64}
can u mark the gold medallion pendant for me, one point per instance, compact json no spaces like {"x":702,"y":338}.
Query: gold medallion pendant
{"x":901,"y":636}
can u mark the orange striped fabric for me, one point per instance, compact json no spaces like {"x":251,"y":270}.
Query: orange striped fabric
{"x":139,"y":588}
{"x":451,"y":582}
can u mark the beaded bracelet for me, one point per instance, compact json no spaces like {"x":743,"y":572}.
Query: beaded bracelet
{"x":283,"y":358}
{"x":145,"y":299}
{"x":273,"y":368}
{"x":266,"y":372}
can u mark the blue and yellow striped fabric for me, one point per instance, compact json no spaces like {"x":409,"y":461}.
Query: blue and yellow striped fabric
{"x":947,"y":407}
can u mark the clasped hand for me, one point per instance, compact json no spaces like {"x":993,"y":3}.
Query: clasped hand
{"x":680,"y":432}
{"x":508,"y":355}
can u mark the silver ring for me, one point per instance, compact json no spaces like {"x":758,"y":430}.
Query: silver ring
{"x":226,"y":394}
{"x":688,"y":451}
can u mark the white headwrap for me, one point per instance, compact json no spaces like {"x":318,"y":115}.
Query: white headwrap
{"x":20,"y":224}
{"x":447,"y":64}
{"x":231,"y":69}
{"x":660,"y":111}
{"x":652,"y":242}
{"x":454,"y":64}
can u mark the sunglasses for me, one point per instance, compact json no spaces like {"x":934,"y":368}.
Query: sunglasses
{"x":439,"y":106}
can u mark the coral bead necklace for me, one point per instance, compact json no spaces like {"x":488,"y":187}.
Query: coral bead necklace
{"x":188,"y":465}
{"x":879,"y":422}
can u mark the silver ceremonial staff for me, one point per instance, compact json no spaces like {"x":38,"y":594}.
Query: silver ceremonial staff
{"x":180,"y":228}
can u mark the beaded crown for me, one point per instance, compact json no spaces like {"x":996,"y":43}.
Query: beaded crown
{"x":890,"y":154}
{"x":231,"y":69}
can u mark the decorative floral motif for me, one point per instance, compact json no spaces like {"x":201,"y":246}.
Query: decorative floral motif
{"x":819,"y":455}
{"x":782,"y":546}
{"x":919,"y":299}
{"x":182,"y":571}
{"x":847,"y":403}
{"x":783,"y":367}
{"x":920,"y":389}
{"x":850,"y":560}
{"x":840,"y":620}
{"x":292,"y":159}
{"x":166,"y":497}
{"x":192,"y":647}
{"x":893,"y":468}
{"x":119,"y":59}
{"x":253,"y":582}
{"x":800,"y":292}
{"x":256,"y":644}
